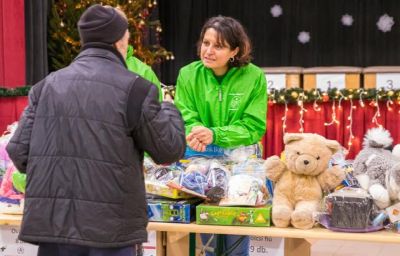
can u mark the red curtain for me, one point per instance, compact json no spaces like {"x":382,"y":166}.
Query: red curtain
{"x":12,"y":43}
{"x":314,"y":122}
{"x":12,"y":58}
{"x":10,"y":110}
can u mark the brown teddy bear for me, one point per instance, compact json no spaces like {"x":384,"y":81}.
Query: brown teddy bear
{"x":301,"y":179}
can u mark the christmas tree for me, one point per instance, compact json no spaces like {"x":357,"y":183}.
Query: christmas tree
{"x":64,"y":44}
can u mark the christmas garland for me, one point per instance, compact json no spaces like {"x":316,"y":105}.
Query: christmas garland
{"x":13,"y":92}
{"x":291,"y":95}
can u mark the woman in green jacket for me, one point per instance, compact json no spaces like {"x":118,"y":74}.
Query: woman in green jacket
{"x":222,"y":97}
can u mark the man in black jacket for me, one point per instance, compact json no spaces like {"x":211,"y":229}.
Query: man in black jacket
{"x":81,"y":142}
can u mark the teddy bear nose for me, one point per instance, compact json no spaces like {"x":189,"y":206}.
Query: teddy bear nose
{"x":306,"y":162}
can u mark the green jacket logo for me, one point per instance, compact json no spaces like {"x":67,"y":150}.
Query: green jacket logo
{"x":235,"y":101}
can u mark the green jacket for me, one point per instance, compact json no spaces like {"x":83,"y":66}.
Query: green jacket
{"x":143,"y":70}
{"x":235,"y":110}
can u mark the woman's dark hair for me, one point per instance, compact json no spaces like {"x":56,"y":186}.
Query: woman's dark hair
{"x":230,"y":32}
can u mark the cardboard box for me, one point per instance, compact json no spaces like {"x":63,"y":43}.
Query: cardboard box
{"x":233,"y":216}
{"x":164,"y":210}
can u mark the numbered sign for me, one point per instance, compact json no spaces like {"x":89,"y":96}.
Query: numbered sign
{"x":11,"y":246}
{"x":266,"y":246}
{"x":330,"y":81}
{"x":276,"y":81}
{"x":389,"y":81}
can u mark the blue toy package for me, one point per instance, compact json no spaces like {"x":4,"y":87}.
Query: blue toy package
{"x":212,"y":151}
{"x":179,"y":211}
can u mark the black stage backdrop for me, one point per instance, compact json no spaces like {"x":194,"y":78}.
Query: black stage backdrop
{"x":275,"y":39}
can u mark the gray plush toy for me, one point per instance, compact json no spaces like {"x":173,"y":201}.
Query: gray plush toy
{"x":377,"y":169}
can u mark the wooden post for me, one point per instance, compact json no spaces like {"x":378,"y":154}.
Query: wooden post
{"x":297,"y":247}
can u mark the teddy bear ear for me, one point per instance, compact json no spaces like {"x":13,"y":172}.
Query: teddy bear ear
{"x":333,"y":145}
{"x":291,"y":137}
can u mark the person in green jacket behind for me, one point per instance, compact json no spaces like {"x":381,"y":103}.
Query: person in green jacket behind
{"x":222,"y":97}
{"x":137,"y":66}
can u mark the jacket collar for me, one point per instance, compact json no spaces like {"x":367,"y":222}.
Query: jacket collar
{"x":101,"y":50}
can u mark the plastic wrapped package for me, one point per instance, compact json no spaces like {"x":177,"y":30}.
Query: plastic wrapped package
{"x":253,"y":167}
{"x":5,"y":160}
{"x":217,"y":181}
{"x":245,"y":190}
{"x":157,"y":181}
{"x":200,"y":165}
{"x":350,"y":208}
{"x":194,"y":180}
{"x":243,"y":153}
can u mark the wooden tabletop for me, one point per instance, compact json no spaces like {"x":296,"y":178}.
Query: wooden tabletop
{"x":315,"y":233}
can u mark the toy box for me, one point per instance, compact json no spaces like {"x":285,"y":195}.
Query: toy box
{"x":159,"y":189}
{"x":164,"y":210}
{"x":233,"y":216}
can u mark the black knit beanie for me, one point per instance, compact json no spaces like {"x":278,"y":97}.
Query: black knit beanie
{"x":101,"y":24}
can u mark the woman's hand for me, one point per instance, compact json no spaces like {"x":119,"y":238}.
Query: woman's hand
{"x":199,"y":138}
{"x":203,"y":134}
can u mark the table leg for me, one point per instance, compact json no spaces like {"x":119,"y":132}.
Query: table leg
{"x":297,"y":247}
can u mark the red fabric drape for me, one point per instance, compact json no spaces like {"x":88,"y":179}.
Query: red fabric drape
{"x":314,"y":123}
{"x":12,"y":43}
{"x":12,"y":59}
{"x":10,"y":110}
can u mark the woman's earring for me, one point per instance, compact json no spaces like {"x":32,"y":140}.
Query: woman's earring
{"x":231,"y":59}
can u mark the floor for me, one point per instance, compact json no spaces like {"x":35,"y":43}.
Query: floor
{"x":350,"y":248}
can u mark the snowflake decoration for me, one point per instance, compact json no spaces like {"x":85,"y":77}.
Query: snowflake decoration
{"x":347,"y":20}
{"x":276,"y":11}
{"x":304,"y":37}
{"x":385,"y":23}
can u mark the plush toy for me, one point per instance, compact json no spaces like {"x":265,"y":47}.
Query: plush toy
{"x":302,"y":178}
{"x":374,"y":167}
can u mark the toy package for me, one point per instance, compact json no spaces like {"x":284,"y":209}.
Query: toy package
{"x":165,"y":210}
{"x":245,"y":190}
{"x":157,"y":178}
{"x":350,"y":208}
{"x":11,"y":190}
{"x":233,"y":216}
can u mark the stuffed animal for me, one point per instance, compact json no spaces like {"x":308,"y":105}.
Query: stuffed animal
{"x":302,"y":178}
{"x":374,"y":167}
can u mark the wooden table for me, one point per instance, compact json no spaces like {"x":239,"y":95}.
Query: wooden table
{"x":295,"y":239}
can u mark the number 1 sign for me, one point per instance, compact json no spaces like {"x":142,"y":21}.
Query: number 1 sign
{"x":326,"y":82}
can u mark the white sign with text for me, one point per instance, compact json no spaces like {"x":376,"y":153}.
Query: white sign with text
{"x":389,"y":81}
{"x":266,"y":246}
{"x":275,"y":81}
{"x":330,"y":81}
{"x":11,"y":246}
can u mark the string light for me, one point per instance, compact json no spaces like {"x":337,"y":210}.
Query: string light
{"x":389,"y":102}
{"x":334,"y":120}
{"x":302,"y":110}
{"x":377,"y":113}
{"x":284,"y":118}
{"x":315,"y":104}
{"x":350,"y":126}
{"x":361,"y":99}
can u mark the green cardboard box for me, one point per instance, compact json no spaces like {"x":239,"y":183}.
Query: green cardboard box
{"x":167,"y":210}
{"x":233,"y":216}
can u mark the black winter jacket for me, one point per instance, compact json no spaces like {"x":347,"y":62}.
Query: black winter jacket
{"x":81,"y":142}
